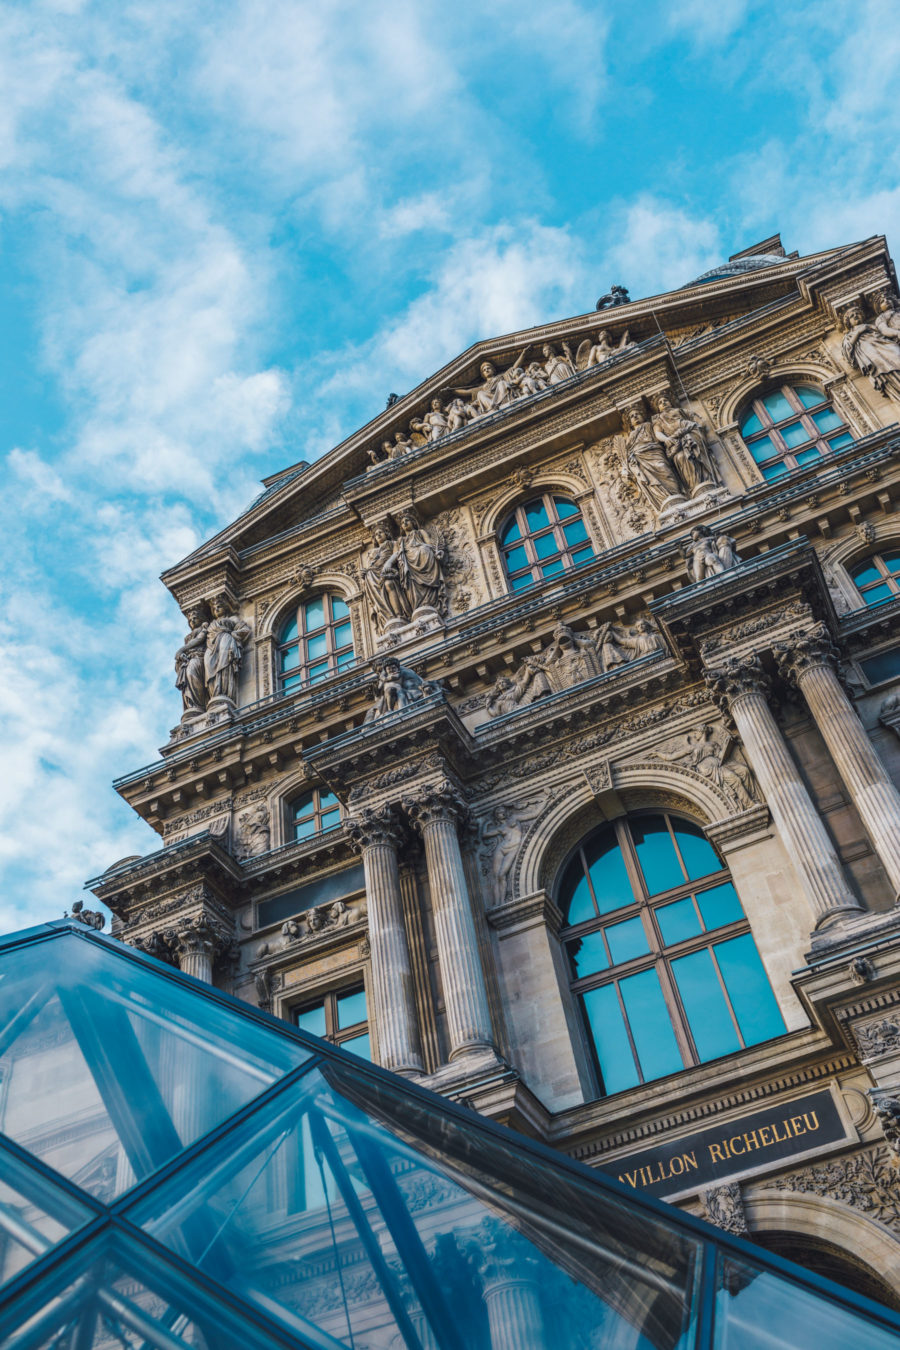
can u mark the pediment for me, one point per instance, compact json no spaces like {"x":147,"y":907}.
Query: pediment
{"x":308,"y":493}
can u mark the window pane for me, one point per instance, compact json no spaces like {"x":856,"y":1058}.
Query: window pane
{"x":763,"y":449}
{"x":545,"y":546}
{"x":289,"y":631}
{"x":343,"y":635}
{"x":552,"y":569}
{"x":863,"y":575}
{"x":339,"y":608}
{"x":314,"y":613}
{"x":777,"y":406}
{"x":359,"y":1045}
{"x":536,"y":515}
{"x":330,"y":819}
{"x":700,"y":858}
{"x":678,"y":921}
{"x":884,"y":666}
{"x":627,"y":940}
{"x":302,"y":806}
{"x":351,"y":1008}
{"x":774,"y":471}
{"x":891,"y":562}
{"x":808,"y":397}
{"x":795,"y":434}
{"x":522,"y":582}
{"x":608,"y":875}
{"x":610,"y":1039}
{"x":290,"y":659}
{"x":827,"y":419}
{"x":318,"y":672}
{"x":327,"y":800}
{"x":757,"y":1012}
{"x":305,"y":829}
{"x":838,"y":442}
{"x":510,"y":532}
{"x":656,"y":854}
{"x":316,"y":646}
{"x":294,"y":682}
{"x":345,"y":660}
{"x":650,"y":1024}
{"x":705,"y":1005}
{"x":575,"y":532}
{"x":720,"y":906}
{"x":312,"y":1019}
{"x":807,"y":456}
{"x":750,"y":424}
{"x":564,"y":509}
{"x":516,"y":558}
{"x":587,"y":954}
{"x":582,"y":556}
{"x":877,"y":594}
{"x":575,"y":894}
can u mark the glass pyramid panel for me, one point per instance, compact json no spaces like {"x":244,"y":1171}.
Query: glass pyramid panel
{"x":361,"y":1224}
{"x":109,"y":1068}
{"x":35,"y":1214}
{"x":120,"y":1295}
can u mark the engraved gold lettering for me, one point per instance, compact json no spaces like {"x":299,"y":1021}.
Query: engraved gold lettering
{"x":715,"y":1152}
{"x":797,"y":1125}
{"x":734,"y":1148}
{"x":764,"y":1130}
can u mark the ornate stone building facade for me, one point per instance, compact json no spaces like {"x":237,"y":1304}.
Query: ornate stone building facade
{"x":541,"y":741}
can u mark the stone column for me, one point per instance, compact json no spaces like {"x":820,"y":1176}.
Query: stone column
{"x":741,"y":686}
{"x":376,"y":837}
{"x":810,"y":662}
{"x":510,"y":1294}
{"x":199,"y":940}
{"x":436,"y":814}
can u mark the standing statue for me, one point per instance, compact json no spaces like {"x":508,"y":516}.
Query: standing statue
{"x":189,"y":667}
{"x":419,"y":556}
{"x":224,"y":652}
{"x":702,"y":555}
{"x":645,"y":462}
{"x":397,"y":688}
{"x":726,"y":548}
{"x":502,"y":837}
{"x":685,"y":445}
{"x":874,"y":349}
{"x":381,"y":582}
{"x":558,"y":368}
{"x":600,"y":350}
{"x":432,"y":425}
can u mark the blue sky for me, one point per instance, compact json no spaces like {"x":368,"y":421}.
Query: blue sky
{"x":228,"y":230}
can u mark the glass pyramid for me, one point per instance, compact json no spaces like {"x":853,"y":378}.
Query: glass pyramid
{"x":180,"y":1171}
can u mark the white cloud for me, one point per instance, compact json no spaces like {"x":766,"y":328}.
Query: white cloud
{"x":660,"y":246}
{"x":44,"y":482}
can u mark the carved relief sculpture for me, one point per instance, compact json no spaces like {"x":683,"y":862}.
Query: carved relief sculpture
{"x":397,"y":688}
{"x":558,"y":368}
{"x":594,"y":353}
{"x":725,"y":1208}
{"x":225,"y":641}
{"x":502,"y":836}
{"x":253,"y":832}
{"x":381,"y":582}
{"x":874,"y":349}
{"x":190,"y":677}
{"x":323,"y":920}
{"x":495,"y":391}
{"x":420,"y":553}
{"x":712,"y":751}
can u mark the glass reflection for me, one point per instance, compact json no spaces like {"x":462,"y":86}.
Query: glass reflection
{"x":34,"y":1215}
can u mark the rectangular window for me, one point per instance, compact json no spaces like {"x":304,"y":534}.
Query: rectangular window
{"x":341,"y":1017}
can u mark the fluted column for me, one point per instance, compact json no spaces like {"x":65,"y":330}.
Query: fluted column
{"x":810,"y":662}
{"x":741,"y":685}
{"x":436,"y":814}
{"x":199,"y":941}
{"x":375,"y":835}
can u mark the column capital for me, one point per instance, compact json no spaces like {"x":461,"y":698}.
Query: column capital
{"x":202,"y":935}
{"x":438,"y":801}
{"x":805,"y":652}
{"x":734,"y":678}
{"x":373,"y":828}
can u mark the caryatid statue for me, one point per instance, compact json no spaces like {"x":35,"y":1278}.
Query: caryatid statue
{"x":381,"y":581}
{"x":225,"y":641}
{"x":874,"y":349}
{"x":190,"y":676}
{"x":646,"y":463}
{"x":685,"y":445}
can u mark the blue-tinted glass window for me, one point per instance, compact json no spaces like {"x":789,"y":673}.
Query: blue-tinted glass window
{"x":878,"y":578}
{"x":543,"y":538}
{"x":675,"y":978}
{"x":786,"y":428}
{"x":313,"y":813}
{"x":341,"y":1016}
{"x":882,"y":666}
{"x":315,"y":642}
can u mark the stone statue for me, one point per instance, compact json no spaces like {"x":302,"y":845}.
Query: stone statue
{"x":432,"y":425}
{"x":570,"y":658}
{"x":495,"y":391}
{"x":419,"y":557}
{"x":457,"y":415}
{"x":397,"y":688}
{"x":558,"y":368}
{"x":189,"y":667}
{"x":641,"y":640}
{"x":685,"y":445}
{"x":874,"y":349}
{"x":91,"y":918}
{"x":225,"y":641}
{"x":377,"y":456}
{"x":502,"y":836}
{"x":600,"y":350}
{"x":710,"y":751}
{"x":402,"y":445}
{"x":381,"y":581}
{"x":253,"y":834}
{"x":616,"y":295}
{"x":709,"y":556}
{"x":645,"y":462}
{"x":527,"y":382}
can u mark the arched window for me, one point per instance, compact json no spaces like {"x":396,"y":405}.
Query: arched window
{"x":313,"y":813}
{"x":315,"y":642}
{"x":662,"y":959}
{"x":791,"y":426}
{"x":543,"y":538}
{"x":878,"y":578}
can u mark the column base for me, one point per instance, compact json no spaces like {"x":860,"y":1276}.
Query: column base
{"x":853,"y":928}
{"x":468,"y":1066}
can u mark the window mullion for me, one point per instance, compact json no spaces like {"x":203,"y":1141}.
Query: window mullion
{"x":680,"y":1023}
{"x":715,"y":961}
